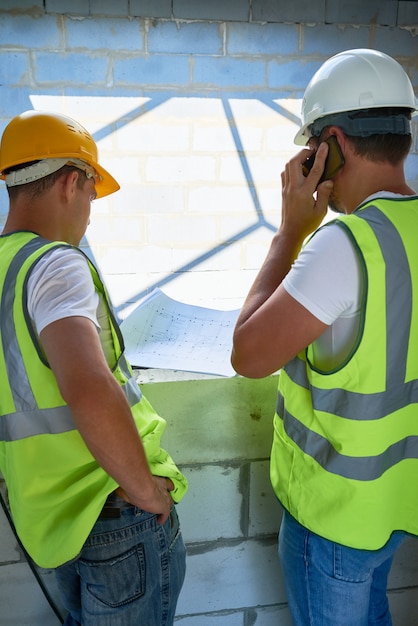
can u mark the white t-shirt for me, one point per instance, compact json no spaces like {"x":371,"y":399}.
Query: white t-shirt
{"x":326,"y":279}
{"x":61,"y":285}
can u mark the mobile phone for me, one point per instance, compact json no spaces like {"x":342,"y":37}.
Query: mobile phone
{"x":333,"y":163}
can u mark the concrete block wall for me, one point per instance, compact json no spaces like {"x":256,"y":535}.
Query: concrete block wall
{"x":194,"y":106}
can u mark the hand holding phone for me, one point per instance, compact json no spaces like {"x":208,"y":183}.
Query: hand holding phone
{"x":333,"y":163}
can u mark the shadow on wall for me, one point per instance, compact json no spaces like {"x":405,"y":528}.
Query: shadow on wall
{"x":237,"y":133}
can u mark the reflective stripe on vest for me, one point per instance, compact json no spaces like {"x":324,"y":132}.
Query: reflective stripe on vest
{"x":372,"y":406}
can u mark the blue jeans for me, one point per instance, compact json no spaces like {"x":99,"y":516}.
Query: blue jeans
{"x":129,"y":573}
{"x":329,"y":584}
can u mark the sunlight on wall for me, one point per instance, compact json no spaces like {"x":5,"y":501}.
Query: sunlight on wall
{"x":200,"y":191}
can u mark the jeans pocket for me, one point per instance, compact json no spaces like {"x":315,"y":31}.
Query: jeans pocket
{"x":112,"y":582}
{"x":175,"y":530}
{"x":351,"y":565}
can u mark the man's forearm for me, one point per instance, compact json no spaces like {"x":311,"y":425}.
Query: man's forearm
{"x":111,"y":435}
{"x":98,"y":405}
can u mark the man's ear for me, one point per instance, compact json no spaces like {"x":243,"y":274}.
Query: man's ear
{"x":69,"y":184}
{"x":340,"y":136}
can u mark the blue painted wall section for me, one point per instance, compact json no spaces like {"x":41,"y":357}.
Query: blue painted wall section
{"x":80,"y":55}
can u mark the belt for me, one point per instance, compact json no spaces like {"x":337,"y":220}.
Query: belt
{"x":110,"y":512}
{"x":114,"y":506}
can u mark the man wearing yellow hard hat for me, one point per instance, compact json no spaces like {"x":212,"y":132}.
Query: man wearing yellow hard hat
{"x":91,"y":491}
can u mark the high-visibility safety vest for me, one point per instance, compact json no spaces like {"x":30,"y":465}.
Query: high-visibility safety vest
{"x":345,"y":451}
{"x":56,"y":488}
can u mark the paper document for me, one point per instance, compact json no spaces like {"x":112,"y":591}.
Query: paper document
{"x":164,"y":333}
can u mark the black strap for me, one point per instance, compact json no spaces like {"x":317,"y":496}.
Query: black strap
{"x":30,"y":562}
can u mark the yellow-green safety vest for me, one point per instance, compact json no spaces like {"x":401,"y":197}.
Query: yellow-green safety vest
{"x":56,"y":488}
{"x":345,"y":450}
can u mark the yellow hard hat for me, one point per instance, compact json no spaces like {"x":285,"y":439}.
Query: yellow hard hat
{"x":38,"y":135}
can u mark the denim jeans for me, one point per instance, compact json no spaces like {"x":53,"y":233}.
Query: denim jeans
{"x":329,"y":584}
{"x":129,"y":573}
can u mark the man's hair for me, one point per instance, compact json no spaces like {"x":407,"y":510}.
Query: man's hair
{"x":389,"y":147}
{"x":38,"y":187}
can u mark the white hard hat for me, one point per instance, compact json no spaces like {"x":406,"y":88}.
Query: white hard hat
{"x":355,"y":80}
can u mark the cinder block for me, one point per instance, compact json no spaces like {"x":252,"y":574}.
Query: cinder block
{"x":114,"y":230}
{"x":233,"y":10}
{"x":150,"y":8}
{"x":397,"y":43}
{"x":321,"y":40}
{"x":182,"y":230}
{"x":259,"y":168}
{"x":144,"y":136}
{"x":404,"y":571}
{"x":105,"y":33}
{"x":116,"y":259}
{"x":360,"y":12}
{"x":70,"y":7}
{"x":75,"y":68}
{"x":280,"y":137}
{"x":404,"y":606}
{"x":213,"y":137}
{"x":152,"y":198}
{"x":284,"y":11}
{"x":181,"y":169}
{"x":181,"y":38}
{"x":21,"y":598}
{"x":109,"y":7}
{"x":224,"y":199}
{"x":28,"y":32}
{"x":15,"y":99}
{"x":152,"y":70}
{"x":14,"y":68}
{"x":407,"y":13}
{"x":265,"y":512}
{"x":212,"y":507}
{"x":124,"y":168}
{"x":262,"y":39}
{"x":226,"y":577}
{"x":290,"y":74}
{"x":227,"y":418}
{"x":23,"y":5}
{"x":229,"y":72}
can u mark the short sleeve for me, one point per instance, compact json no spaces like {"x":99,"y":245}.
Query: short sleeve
{"x":61,"y":285}
{"x":325,"y":277}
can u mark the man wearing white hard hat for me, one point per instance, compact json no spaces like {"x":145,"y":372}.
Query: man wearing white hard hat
{"x":338,"y":315}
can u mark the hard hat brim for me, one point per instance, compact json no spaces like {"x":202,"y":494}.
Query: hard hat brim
{"x":105,"y":184}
